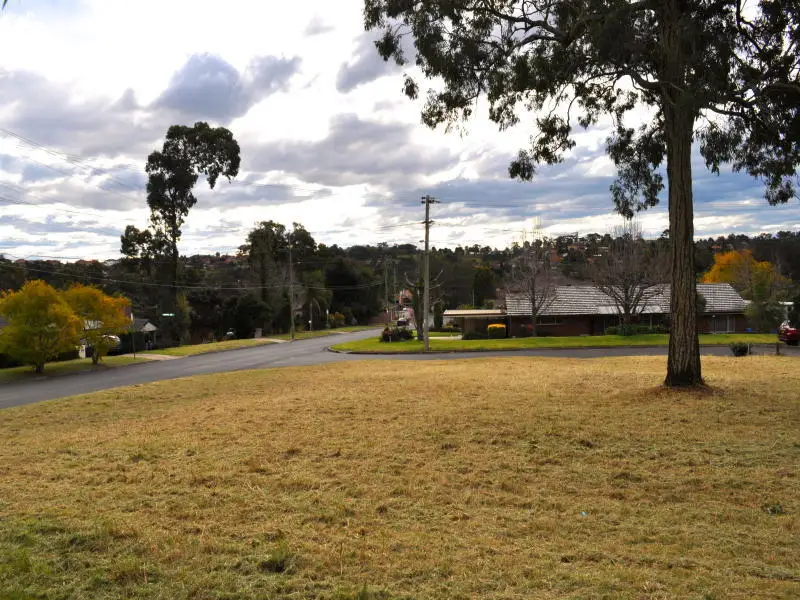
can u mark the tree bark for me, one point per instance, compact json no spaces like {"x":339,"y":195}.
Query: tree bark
{"x":683,"y":363}
{"x":175,"y":260}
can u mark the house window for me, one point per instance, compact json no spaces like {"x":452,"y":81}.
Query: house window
{"x":548,"y":320}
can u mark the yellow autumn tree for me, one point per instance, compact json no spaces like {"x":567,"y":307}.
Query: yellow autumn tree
{"x":757,"y":281}
{"x":41,"y":325}
{"x":103,"y":317}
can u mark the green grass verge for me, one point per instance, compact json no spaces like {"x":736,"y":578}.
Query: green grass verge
{"x":66,"y":367}
{"x":304,"y":335}
{"x":609,"y":341}
{"x":208,"y":348}
{"x":247,"y":343}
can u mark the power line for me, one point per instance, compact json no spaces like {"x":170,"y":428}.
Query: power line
{"x":72,"y":159}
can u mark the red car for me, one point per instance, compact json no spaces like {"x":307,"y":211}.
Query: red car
{"x":789,"y":334}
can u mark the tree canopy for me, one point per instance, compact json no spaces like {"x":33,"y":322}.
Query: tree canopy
{"x":188,"y":152}
{"x":41,"y":325}
{"x":711,"y":71}
{"x":752,"y":278}
{"x":173,"y":171}
{"x":102,"y":316}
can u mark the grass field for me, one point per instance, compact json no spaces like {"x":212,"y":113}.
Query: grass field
{"x":374,"y":345}
{"x":66,"y":367}
{"x":505,"y":478}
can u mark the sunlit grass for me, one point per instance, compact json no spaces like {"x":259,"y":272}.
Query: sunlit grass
{"x":486,"y":478}
{"x":602,"y":341}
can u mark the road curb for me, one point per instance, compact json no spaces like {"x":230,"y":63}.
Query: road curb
{"x":90,"y":371}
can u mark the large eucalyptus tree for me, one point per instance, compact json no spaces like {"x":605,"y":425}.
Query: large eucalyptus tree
{"x":715,"y":72}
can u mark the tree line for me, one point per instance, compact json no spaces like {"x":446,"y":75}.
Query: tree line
{"x":249,"y":289}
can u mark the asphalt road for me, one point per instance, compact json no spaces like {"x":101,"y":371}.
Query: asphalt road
{"x":301,"y":353}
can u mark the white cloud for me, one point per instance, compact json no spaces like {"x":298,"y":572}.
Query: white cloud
{"x":327,"y":138}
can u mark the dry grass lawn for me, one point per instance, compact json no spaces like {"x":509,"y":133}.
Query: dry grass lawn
{"x":488,"y":478}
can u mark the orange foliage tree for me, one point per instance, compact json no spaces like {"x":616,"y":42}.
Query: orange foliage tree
{"x":757,"y":281}
{"x":41,"y":325}
{"x":103,"y":317}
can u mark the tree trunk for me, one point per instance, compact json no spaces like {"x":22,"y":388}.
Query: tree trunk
{"x":38,"y":368}
{"x":683,"y":364}
{"x":175,"y":260}
{"x":533,"y":326}
{"x":95,"y":357}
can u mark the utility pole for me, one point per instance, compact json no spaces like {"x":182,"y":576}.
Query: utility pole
{"x":386,"y":289}
{"x":394,"y":285}
{"x":427,"y":201}
{"x":291,"y":287}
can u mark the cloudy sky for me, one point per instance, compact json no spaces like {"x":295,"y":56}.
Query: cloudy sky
{"x":88,"y":87}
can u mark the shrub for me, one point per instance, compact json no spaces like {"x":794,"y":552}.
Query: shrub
{"x":613,"y":330}
{"x":396,"y":334}
{"x":336,"y":320}
{"x":740,"y":348}
{"x":474,"y":335}
{"x":496,"y":331}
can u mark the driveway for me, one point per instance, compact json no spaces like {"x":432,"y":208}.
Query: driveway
{"x":301,"y":353}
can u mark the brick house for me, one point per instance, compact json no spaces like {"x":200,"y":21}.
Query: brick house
{"x":585,"y":310}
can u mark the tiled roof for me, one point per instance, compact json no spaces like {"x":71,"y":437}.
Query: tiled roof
{"x":588,"y":300}
{"x":721,"y":297}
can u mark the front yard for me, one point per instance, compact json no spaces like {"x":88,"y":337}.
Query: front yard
{"x":504,"y":478}
{"x":373,"y":345}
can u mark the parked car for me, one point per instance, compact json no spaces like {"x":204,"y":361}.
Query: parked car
{"x":788,"y":334}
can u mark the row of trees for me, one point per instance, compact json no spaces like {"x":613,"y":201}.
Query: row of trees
{"x":44,"y":322}
{"x":277,"y":270}
{"x":249,"y":289}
